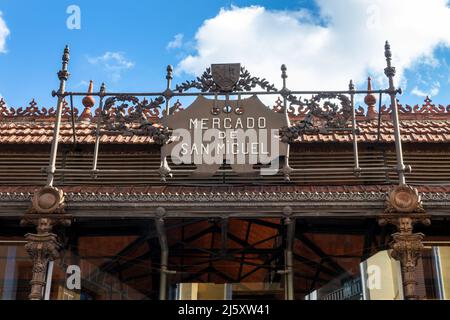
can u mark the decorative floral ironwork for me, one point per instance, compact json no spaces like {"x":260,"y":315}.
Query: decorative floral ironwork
{"x":331,"y":115}
{"x":206,"y":83}
{"x":33,"y":111}
{"x":128,"y":115}
{"x":427,"y":108}
{"x":292,"y":133}
{"x":177,"y":107}
{"x":296,"y":109}
{"x":247,"y":83}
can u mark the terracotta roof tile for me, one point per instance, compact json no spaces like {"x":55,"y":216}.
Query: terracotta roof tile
{"x":32,"y":125}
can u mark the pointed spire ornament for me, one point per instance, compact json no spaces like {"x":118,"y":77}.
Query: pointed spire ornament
{"x":88,"y":103}
{"x":370,"y":100}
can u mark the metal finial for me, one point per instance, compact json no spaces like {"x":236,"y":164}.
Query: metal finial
{"x":387,"y":50}
{"x":103,"y":88}
{"x":283,"y":71}
{"x":390,"y":70}
{"x":351,"y":86}
{"x":169,"y":72}
{"x":66,"y":55}
{"x":91,"y":86}
{"x":370,"y":99}
{"x":63,"y":74}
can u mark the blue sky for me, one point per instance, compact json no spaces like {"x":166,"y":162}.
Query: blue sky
{"x":128,"y":44}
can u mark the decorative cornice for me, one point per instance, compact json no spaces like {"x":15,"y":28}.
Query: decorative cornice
{"x":225,"y":197}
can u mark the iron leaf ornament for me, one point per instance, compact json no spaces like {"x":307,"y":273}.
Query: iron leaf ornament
{"x":207,"y":83}
{"x":128,"y":115}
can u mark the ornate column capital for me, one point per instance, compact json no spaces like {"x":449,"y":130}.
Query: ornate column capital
{"x":46,"y":212}
{"x":404,"y":210}
{"x":42,"y":248}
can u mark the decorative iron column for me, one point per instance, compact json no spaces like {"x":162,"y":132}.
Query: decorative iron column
{"x":285,"y":92}
{"x":403,"y":206}
{"x":393,"y":91}
{"x":42,"y":247}
{"x":404,"y":210}
{"x":63,"y":76}
{"x":47,"y":209}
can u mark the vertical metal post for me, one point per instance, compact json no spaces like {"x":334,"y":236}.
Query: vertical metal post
{"x":48,"y":280}
{"x":224,"y":236}
{"x":390,"y":73}
{"x":289,"y":258}
{"x":354,"y":129}
{"x":63,"y":76}
{"x":99,"y":123}
{"x":159,"y":222}
{"x":285,"y":93}
{"x":168,"y":93}
{"x":164,"y":166}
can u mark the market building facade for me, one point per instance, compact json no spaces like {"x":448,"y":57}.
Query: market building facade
{"x":139,"y":197}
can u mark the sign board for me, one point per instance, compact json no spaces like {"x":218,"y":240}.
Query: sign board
{"x":242,"y":133}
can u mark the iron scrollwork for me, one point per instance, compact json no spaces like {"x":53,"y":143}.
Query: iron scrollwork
{"x":207,"y":83}
{"x":128,"y":115}
{"x":330,"y":115}
{"x":247,"y":83}
{"x":292,"y":133}
{"x":335,"y":116}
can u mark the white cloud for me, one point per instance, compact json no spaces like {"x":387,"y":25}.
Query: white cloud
{"x":83,"y":84}
{"x":176,"y":43}
{"x":4,"y":33}
{"x":113,"y":63}
{"x":344,"y":41}
{"x":433,"y":91}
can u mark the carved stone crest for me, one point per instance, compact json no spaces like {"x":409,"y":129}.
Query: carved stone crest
{"x":226,"y":75}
